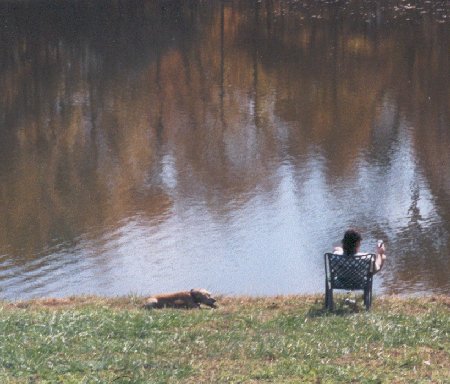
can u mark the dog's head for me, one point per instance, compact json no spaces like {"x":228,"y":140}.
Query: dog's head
{"x":202,"y":296}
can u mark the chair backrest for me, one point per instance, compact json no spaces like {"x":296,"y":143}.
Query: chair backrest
{"x":349,"y":272}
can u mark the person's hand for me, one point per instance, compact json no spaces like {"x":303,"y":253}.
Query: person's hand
{"x":381,"y":251}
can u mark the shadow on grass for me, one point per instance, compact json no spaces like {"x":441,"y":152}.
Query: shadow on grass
{"x":342,"y":307}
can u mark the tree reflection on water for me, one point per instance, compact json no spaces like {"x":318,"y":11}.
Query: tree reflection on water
{"x":254,"y":127}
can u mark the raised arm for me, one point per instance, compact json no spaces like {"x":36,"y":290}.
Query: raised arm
{"x":381,"y":257}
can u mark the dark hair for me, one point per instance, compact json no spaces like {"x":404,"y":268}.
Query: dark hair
{"x":350,"y":241}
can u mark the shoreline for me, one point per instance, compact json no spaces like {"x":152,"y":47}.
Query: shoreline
{"x":135,"y":301}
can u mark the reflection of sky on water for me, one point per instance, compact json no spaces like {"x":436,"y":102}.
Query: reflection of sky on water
{"x":270,"y":242}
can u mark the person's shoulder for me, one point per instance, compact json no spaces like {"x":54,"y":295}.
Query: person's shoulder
{"x":338,"y":251}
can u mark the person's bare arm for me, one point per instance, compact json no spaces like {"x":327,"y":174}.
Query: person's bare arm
{"x":381,"y":257}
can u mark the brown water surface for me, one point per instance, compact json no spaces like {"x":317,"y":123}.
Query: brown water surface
{"x":150,"y":146}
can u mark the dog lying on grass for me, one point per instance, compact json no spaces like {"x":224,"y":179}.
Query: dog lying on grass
{"x":185,"y":299}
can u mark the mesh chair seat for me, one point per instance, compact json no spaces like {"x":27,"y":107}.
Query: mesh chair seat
{"x":349,"y":273}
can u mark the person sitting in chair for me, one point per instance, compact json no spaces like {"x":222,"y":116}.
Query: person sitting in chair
{"x":351,"y":244}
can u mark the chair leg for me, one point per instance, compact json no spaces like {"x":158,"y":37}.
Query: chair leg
{"x":367,"y":298}
{"x":328,"y":298}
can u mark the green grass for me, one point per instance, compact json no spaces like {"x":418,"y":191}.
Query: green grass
{"x":288,"y":339}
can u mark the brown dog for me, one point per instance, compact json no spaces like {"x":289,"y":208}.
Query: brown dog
{"x":185,"y":299}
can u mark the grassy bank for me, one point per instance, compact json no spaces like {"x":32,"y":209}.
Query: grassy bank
{"x":279,"y":339}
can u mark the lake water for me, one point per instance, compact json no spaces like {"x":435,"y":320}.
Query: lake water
{"x":152,"y":146}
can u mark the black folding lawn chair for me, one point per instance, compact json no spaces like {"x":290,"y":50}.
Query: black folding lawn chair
{"x":349,"y":273}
